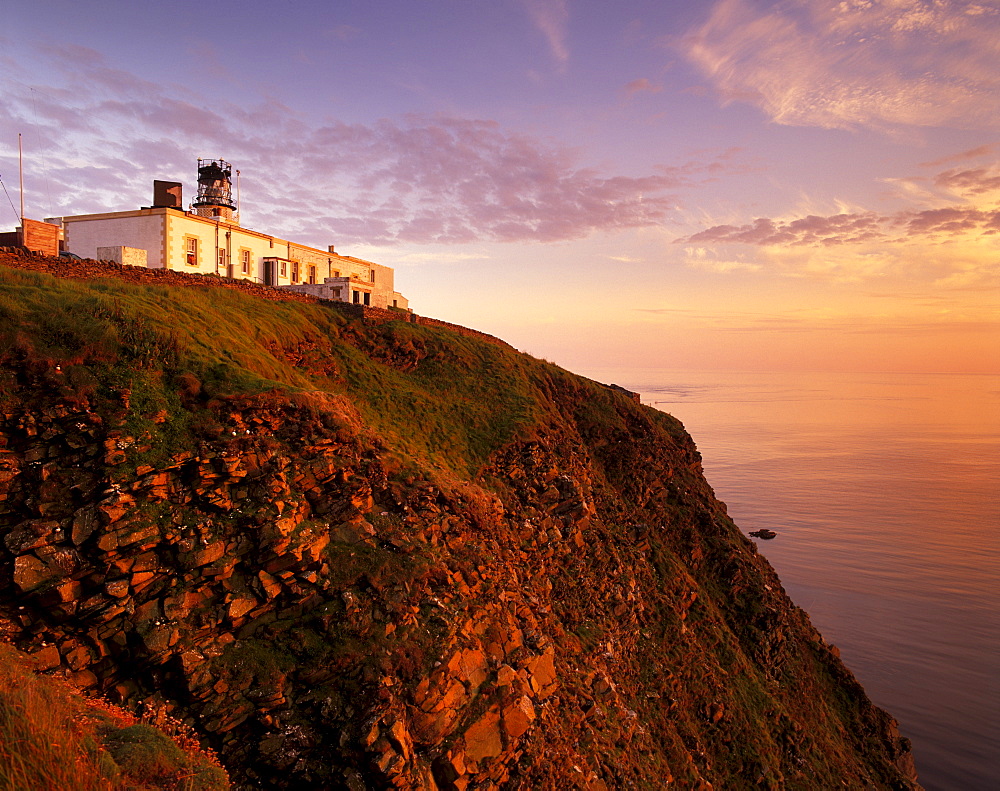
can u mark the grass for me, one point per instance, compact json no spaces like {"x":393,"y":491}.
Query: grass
{"x":51,"y":737}
{"x":140,"y":352}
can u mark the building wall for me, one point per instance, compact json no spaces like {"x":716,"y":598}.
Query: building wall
{"x":211,"y":237}
{"x":165,"y":234}
{"x":310,"y":257}
{"x":380,"y":278}
{"x":342,"y":266}
{"x":143,"y":229}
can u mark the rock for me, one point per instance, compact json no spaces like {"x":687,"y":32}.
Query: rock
{"x":352,"y":532}
{"x":47,"y":657}
{"x":506,"y":676}
{"x":518,"y":717}
{"x":271,"y":586}
{"x":30,"y":573}
{"x":116,"y":506}
{"x":208,"y":554}
{"x":77,"y":656}
{"x":471,"y":668}
{"x":482,"y":739}
{"x":117,"y":588}
{"x":30,"y":535}
{"x":85,"y":523}
{"x":69,"y":591}
{"x":542,"y":673}
{"x":240,"y":607}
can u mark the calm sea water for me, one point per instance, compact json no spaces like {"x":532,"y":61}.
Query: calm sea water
{"x":884,"y":490}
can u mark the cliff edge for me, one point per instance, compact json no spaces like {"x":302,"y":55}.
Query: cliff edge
{"x":364,"y":556}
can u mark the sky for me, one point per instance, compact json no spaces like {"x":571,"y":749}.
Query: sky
{"x":726,"y":185}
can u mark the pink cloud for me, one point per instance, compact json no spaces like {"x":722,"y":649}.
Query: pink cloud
{"x":972,"y":153}
{"x":413,"y":179}
{"x":551,"y":18}
{"x":642,"y":85}
{"x":855,"y":63}
{"x":973,"y":180}
{"x":840,"y":229}
{"x":810,"y":230}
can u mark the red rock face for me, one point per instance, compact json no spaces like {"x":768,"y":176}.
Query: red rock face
{"x":332,"y":614}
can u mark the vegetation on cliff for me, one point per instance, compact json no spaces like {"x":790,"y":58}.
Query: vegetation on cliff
{"x":357,"y":555}
{"x":51,"y":737}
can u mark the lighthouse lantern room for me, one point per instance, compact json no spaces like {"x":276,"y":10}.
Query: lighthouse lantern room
{"x":215,"y":190}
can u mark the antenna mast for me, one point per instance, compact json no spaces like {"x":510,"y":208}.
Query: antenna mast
{"x":20,"y":167}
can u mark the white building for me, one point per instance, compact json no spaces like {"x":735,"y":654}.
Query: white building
{"x":208,"y":239}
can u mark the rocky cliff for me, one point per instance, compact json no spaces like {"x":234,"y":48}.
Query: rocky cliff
{"x":360,"y":556}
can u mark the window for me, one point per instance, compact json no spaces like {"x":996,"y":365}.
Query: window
{"x":312,"y":274}
{"x":371,"y":275}
{"x":246,"y":267}
{"x":191,"y":250}
{"x":368,"y":298}
{"x":222,"y":259}
{"x":284,"y":269}
{"x":295,"y":271}
{"x":357,"y":297}
{"x":336,"y":273}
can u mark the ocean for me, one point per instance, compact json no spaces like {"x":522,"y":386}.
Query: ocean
{"x":884,"y":490}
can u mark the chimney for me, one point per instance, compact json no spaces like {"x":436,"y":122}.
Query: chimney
{"x":167,"y":194}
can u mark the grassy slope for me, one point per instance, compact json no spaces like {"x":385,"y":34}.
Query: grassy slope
{"x":161,"y":344}
{"x":51,"y":737}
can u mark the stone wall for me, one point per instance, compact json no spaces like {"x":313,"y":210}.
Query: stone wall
{"x":86,"y":269}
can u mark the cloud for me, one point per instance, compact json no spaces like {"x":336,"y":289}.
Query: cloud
{"x":958,"y":260}
{"x":942,"y":242}
{"x":551,"y":18}
{"x":950,"y":220}
{"x":642,"y":85}
{"x":972,"y":153}
{"x":846,"y":229}
{"x":856,"y":63}
{"x":810,"y":230}
{"x":970,"y":181}
{"x":707,"y":260}
{"x":421,"y":179}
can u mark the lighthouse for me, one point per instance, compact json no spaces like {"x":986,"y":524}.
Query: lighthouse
{"x":215,"y":190}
